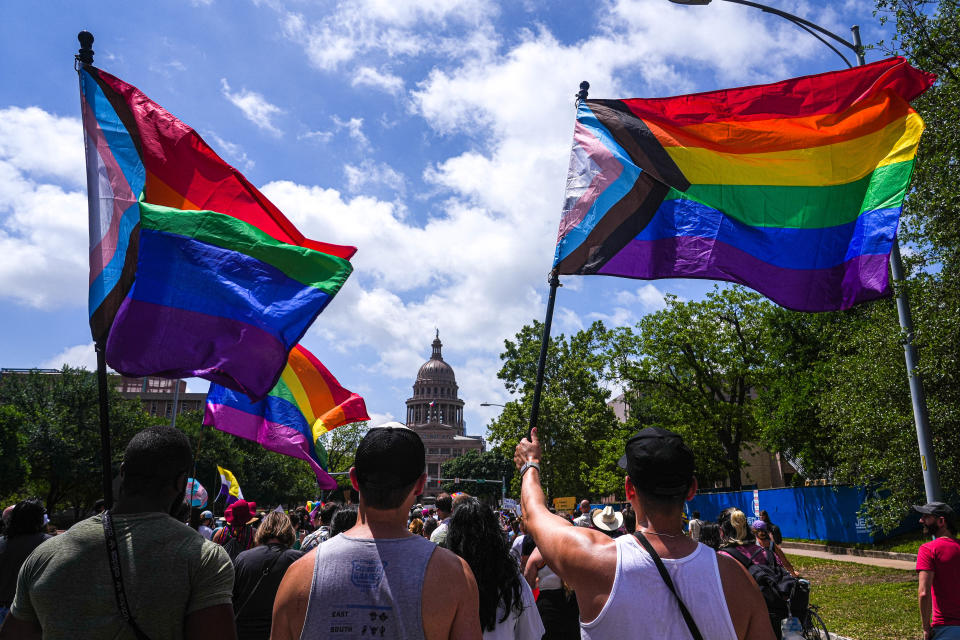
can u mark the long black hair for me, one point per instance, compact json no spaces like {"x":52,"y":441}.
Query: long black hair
{"x":474,"y":534}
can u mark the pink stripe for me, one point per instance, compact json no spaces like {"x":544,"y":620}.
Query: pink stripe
{"x":610,"y":170}
{"x":102,"y":252}
{"x":271,"y":435}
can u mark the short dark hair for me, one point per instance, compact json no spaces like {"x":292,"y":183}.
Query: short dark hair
{"x":26,"y":518}
{"x":389,"y":462}
{"x":343,"y":519}
{"x":155,"y":457}
{"x":444,"y":502}
{"x":696,"y":514}
{"x":275,"y":524}
{"x":327,"y":512}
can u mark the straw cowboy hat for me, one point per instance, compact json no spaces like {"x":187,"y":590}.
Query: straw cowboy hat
{"x":608,"y":519}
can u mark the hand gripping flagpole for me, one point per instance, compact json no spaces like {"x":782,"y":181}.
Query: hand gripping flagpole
{"x":84,"y":58}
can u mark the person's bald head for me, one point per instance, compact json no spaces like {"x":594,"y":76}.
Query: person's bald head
{"x":584,"y":506}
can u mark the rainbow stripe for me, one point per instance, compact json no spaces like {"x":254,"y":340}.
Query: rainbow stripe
{"x":306,"y":403}
{"x":193,"y":272}
{"x":793,"y":189}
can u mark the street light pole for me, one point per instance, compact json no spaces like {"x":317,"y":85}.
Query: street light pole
{"x":928,"y":461}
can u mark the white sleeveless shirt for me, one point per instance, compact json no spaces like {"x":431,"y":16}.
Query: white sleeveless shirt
{"x":641,"y":606}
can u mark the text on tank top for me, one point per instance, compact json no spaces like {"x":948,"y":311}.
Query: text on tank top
{"x":367,"y":588}
{"x":641,"y":606}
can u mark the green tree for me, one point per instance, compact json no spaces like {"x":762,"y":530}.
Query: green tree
{"x":576,"y":427}
{"x":693,"y":368}
{"x":57,"y":419}
{"x":489,"y":465}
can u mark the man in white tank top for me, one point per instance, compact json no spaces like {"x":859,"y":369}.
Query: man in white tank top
{"x":619,"y":588}
{"x":377,"y":579}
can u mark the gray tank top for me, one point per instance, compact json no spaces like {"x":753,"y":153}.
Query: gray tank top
{"x":367,"y":588}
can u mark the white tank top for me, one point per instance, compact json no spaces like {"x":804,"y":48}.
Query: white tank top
{"x":641,"y":607}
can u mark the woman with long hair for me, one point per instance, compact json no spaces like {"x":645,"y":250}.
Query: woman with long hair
{"x":258,"y":575}
{"x":24,"y":534}
{"x":507,"y":607}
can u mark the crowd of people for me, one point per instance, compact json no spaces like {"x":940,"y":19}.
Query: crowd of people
{"x":389,"y":567}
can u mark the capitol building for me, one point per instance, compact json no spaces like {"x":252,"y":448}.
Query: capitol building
{"x":435,"y":412}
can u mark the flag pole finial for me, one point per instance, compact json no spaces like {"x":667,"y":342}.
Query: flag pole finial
{"x":582,"y":94}
{"x":85,"y":54}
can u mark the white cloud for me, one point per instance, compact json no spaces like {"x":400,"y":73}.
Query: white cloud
{"x":323,"y":137}
{"x":396,"y":28}
{"x":254,"y":107}
{"x":354,"y":127}
{"x":43,"y":211}
{"x":648,"y":297}
{"x":370,"y":173}
{"x":370,"y":77}
{"x":231,"y":151}
{"x":81,"y":355}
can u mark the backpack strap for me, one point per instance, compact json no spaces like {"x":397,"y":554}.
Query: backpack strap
{"x":691,"y":625}
{"x":113,"y":553}
{"x":739,"y":557}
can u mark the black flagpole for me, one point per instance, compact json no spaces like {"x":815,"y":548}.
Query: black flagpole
{"x":548,"y":320}
{"x":84,"y":58}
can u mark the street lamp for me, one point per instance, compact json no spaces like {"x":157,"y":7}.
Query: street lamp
{"x":813,"y":29}
{"x":931,"y":475}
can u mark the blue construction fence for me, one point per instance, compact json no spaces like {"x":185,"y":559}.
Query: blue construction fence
{"x":812,"y":513}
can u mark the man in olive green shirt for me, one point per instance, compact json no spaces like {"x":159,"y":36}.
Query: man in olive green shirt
{"x":177,"y":584}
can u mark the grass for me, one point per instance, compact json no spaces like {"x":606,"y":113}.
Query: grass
{"x":904,"y":543}
{"x":861,"y":601}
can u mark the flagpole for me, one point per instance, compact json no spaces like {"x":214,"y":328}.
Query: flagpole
{"x":928,"y":458}
{"x":83,"y":58}
{"x":548,"y":319}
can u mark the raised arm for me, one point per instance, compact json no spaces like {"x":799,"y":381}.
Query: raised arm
{"x":585,"y":559}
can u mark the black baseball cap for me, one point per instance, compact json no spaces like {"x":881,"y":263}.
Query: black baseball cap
{"x":658,"y":462}
{"x":938,"y":509}
{"x":389,"y":456}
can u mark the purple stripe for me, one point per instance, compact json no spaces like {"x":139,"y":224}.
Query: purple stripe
{"x":271,"y":435}
{"x":151,"y":339}
{"x":857,"y":280}
{"x":610,"y":169}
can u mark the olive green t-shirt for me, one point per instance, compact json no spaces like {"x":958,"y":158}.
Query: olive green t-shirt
{"x":169,"y":571}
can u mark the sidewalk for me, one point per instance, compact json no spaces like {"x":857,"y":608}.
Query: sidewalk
{"x":894,"y":562}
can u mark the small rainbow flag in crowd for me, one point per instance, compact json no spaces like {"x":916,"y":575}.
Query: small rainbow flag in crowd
{"x":306,"y":402}
{"x":229,"y":486}
{"x":193,"y":272}
{"x":793,"y":189}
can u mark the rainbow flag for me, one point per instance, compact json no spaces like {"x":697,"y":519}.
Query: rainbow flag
{"x":306,"y":403}
{"x":793,"y":189}
{"x":193,"y":272}
{"x":229,"y":486}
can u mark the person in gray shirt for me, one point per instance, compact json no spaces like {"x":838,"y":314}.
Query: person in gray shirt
{"x":377,"y":579}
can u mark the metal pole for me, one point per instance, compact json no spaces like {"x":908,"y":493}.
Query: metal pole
{"x":106,"y":465}
{"x":928,"y":459}
{"x":544,"y":343}
{"x":176,"y":398}
{"x":83,"y":58}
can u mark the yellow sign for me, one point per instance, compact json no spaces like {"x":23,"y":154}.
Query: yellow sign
{"x":565,"y":504}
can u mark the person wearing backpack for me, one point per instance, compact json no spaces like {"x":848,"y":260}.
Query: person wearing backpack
{"x":782,"y":593}
{"x":765,"y":540}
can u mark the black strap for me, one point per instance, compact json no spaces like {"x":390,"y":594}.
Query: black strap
{"x":266,"y":570}
{"x":739,"y":557}
{"x":691,"y":625}
{"x":113,"y":552}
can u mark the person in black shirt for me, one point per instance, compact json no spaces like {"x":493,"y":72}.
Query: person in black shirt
{"x":258,"y":574}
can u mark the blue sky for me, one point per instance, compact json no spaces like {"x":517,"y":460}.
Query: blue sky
{"x":432,"y":135}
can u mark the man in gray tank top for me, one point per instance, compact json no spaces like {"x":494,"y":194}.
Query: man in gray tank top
{"x":723,"y":600}
{"x":377,"y":580}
